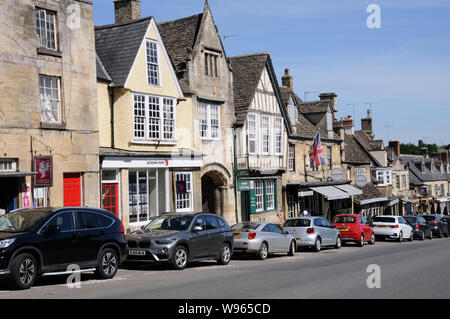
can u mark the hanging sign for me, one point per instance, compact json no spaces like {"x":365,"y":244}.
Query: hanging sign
{"x":43,"y":166}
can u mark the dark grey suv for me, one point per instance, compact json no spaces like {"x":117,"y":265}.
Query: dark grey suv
{"x":178,"y":239}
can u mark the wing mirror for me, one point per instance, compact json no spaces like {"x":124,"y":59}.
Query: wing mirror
{"x":197,"y":228}
{"x":286,"y":232}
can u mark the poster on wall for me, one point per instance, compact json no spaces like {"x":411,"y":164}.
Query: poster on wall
{"x":43,"y":167}
{"x":26,"y":195}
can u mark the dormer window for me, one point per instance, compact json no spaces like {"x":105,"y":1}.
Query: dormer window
{"x":152,"y":63}
{"x":422,"y":166}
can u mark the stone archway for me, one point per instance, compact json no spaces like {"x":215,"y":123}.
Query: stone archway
{"x":215,"y":179}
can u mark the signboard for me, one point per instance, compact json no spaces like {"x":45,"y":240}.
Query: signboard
{"x":337,"y":174}
{"x":361,"y":180}
{"x":244,"y":186}
{"x":43,"y":166}
{"x":252,"y":201}
{"x":423,"y":191}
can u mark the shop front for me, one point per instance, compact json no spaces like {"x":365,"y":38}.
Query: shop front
{"x":139,"y":189}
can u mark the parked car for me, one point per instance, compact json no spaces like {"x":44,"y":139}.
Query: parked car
{"x":181,"y":238}
{"x":439,"y":226}
{"x":313,"y":232}
{"x":38,"y":241}
{"x":262,"y":239}
{"x":447,"y":219}
{"x":421,"y":228}
{"x":354,"y":228}
{"x":394,"y":227}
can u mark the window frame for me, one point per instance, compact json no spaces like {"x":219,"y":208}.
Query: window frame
{"x":161,"y":119}
{"x":189,"y":191}
{"x":252,"y":133}
{"x":55,"y":28}
{"x":259,"y":195}
{"x":278,"y":135}
{"x":265,"y":135}
{"x":148,"y":50}
{"x":58,"y":100}
{"x":291,"y":157}
{"x":211,"y":62}
{"x":207,"y":133}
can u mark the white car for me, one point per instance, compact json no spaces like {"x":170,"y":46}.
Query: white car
{"x":395,"y":227}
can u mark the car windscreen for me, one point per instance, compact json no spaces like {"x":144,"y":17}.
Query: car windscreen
{"x":345,"y":219}
{"x":245,"y":226}
{"x":411,"y":220}
{"x":170,"y":222}
{"x":378,"y":219}
{"x":23,"y":220}
{"x":297,"y":223}
{"x":429,"y":218}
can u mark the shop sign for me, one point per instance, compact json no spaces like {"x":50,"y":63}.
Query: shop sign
{"x":244,"y":186}
{"x":43,"y":166}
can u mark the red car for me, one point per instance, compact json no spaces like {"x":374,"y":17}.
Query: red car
{"x":354,"y":228}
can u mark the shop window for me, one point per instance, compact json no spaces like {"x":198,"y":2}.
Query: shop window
{"x":259,"y":193}
{"x":270,"y":194}
{"x":184,"y":192}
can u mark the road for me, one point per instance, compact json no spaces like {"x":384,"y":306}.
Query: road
{"x":418,"y":269}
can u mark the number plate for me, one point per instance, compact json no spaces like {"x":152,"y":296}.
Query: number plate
{"x":136,"y":252}
{"x":237,"y":235}
{"x":297,"y":239}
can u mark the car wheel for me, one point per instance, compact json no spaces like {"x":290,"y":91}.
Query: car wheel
{"x":292,"y":249}
{"x":318,"y":245}
{"x":411,"y":236}
{"x":108,"y":263}
{"x":225,"y":255}
{"x":400,"y":237}
{"x":431,"y":235}
{"x":372,"y":240}
{"x":180,"y":258}
{"x":24,"y":271}
{"x":338,"y":242}
{"x":446,"y":234}
{"x":440,"y":234}
{"x":423,"y":236}
{"x":361,"y":241}
{"x":263,"y":251}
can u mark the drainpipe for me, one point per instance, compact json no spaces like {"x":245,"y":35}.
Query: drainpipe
{"x":111,"y":90}
{"x":235,"y":173}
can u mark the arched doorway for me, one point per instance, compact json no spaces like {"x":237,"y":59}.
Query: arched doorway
{"x":213,"y":183}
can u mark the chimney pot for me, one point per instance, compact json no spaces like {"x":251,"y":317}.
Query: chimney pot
{"x":287,"y":80}
{"x":396,"y":146}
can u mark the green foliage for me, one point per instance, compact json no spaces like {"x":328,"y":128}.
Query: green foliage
{"x":415,"y":149}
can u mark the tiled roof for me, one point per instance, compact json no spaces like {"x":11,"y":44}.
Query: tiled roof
{"x":314,"y":107}
{"x":247,"y":71}
{"x":369,"y":192}
{"x":287,"y":93}
{"x":102,"y":74}
{"x":413,"y":162}
{"x":117,"y":46}
{"x":353,"y":152}
{"x":179,"y":38}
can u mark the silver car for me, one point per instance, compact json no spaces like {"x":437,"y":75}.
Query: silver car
{"x":262,"y":239}
{"x":313,"y":232}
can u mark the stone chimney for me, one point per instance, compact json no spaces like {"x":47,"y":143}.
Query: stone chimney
{"x":287,"y":80}
{"x":424,"y":152}
{"x":395,"y":145}
{"x":333,"y":98}
{"x":366,"y":124}
{"x":444,"y":157}
{"x":127,"y":10}
{"x":348,"y":124}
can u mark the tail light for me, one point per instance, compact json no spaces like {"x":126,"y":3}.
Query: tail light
{"x":417,"y":226}
{"x":310,"y":230}
{"x":396,"y":226}
{"x":122,"y":228}
{"x":434,"y":223}
{"x":251,"y":235}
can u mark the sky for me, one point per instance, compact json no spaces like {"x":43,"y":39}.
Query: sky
{"x":400,"y":70}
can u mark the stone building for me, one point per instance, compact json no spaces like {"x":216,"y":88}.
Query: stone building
{"x":147,"y":155}
{"x":325,"y":190}
{"x":197,"y":54}
{"x":48,"y":104}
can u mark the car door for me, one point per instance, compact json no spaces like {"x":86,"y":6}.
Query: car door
{"x":365,"y":228}
{"x":215,"y":236}
{"x":269,"y":236}
{"x":59,"y":249}
{"x":283,"y":240}
{"x":405,"y":227}
{"x":91,"y":228}
{"x":330,"y":234}
{"x":199,"y":242}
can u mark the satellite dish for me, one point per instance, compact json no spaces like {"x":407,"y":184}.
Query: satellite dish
{"x":361,"y":180}
{"x":337,"y":174}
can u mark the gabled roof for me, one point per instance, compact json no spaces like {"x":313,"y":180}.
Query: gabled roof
{"x":247,"y":71}
{"x":314,"y":107}
{"x":287,"y":93}
{"x":117,"y":46}
{"x":179,"y":37}
{"x":413,"y":162}
{"x":102,"y":73}
{"x":354,"y":153}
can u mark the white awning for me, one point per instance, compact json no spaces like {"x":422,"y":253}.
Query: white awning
{"x":305,"y":193}
{"x":374,"y":200}
{"x":444,"y":199}
{"x":330,"y":192}
{"x":350,"y":189}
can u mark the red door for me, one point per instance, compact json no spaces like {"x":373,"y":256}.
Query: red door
{"x":110,"y":198}
{"x":72,"y":189}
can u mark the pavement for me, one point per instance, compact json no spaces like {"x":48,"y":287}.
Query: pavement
{"x":418,"y":269}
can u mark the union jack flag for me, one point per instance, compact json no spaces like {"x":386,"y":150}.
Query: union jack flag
{"x":316,"y":153}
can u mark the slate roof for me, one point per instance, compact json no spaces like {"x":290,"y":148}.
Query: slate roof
{"x":413,"y":162}
{"x":366,"y":141}
{"x":179,"y":38}
{"x":353,"y":151}
{"x":102,"y":73}
{"x":287,"y":93}
{"x":117,"y":46}
{"x":247,"y":71}
{"x":369,"y":192}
